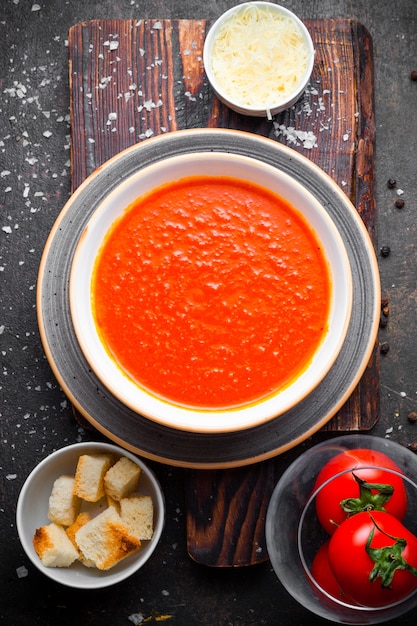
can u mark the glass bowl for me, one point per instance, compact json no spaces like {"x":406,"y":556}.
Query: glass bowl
{"x":294,"y":534}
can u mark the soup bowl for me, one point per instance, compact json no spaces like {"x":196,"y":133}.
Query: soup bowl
{"x":187,"y":413}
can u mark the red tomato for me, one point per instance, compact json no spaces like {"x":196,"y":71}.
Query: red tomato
{"x":371,"y":576}
{"x":323,"y":574}
{"x":328,"y":501}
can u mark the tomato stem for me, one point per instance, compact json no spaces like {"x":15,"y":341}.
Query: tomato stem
{"x":388,"y":559}
{"x":372,"y":497}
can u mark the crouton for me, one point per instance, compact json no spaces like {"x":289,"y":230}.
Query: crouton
{"x":82,"y":519}
{"x":106,"y":539}
{"x":114,"y":503}
{"x":137,"y":512}
{"x":53,"y":546}
{"x":122,"y":479}
{"x":64,"y":506}
{"x":89,"y":476}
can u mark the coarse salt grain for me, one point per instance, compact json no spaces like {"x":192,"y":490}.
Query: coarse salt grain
{"x":22,"y":571}
{"x":307,"y":138}
{"x":136,"y":618}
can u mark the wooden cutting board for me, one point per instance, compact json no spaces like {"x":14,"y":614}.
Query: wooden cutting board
{"x":132,"y":79}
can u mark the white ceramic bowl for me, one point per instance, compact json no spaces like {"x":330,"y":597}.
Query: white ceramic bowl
{"x":32,"y":513}
{"x":186,"y":417}
{"x":234,"y":97}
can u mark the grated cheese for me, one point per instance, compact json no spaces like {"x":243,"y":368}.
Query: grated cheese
{"x":259,"y":57}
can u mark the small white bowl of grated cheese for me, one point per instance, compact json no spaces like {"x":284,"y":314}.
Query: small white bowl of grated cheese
{"x":258,"y":57}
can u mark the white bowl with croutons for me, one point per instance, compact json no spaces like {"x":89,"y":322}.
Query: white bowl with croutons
{"x":90,"y":515}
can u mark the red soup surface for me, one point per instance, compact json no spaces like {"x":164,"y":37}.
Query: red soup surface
{"x":211,"y":292}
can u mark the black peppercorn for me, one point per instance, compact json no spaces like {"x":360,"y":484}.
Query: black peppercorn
{"x":413,"y":75}
{"x":399,"y":203}
{"x":384,"y":348}
{"x":391,"y":183}
{"x":383,"y":322}
{"x":385,"y":251}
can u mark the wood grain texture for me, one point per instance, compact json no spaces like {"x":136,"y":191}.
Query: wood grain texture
{"x":226,"y":514}
{"x":131,"y":80}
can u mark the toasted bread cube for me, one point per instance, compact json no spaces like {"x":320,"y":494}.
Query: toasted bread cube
{"x":137,"y":512}
{"x":82,"y":519}
{"x":89,"y":476}
{"x":53,"y":546}
{"x":106,"y":540}
{"x":122,"y":479}
{"x":71,"y":531}
{"x":114,"y":503}
{"x":64,"y":506}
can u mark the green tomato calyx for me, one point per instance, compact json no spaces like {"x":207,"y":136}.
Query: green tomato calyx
{"x":388,"y":559}
{"x":372,"y":497}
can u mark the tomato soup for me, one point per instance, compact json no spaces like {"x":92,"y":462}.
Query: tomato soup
{"x":211,"y":292}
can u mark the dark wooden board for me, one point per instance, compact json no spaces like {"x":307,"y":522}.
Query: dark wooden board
{"x":131,"y":80}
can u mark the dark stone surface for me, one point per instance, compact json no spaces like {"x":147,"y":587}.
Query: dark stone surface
{"x":36,"y":418}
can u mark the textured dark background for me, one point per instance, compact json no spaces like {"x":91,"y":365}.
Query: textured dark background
{"x":36,"y":417}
